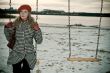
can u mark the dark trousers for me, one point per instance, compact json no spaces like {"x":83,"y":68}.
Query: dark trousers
{"x":21,"y":67}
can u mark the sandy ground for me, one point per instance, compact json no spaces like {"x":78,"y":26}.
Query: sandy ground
{"x":54,"y":51}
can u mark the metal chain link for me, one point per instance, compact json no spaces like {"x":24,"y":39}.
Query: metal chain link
{"x":98,"y":38}
{"x":10,"y":10}
{"x":69,"y":28}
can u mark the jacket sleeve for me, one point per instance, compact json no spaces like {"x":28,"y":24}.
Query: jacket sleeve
{"x":8,"y":30}
{"x":37,"y":34}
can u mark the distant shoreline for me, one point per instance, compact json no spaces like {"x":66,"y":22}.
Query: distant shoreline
{"x":6,"y":16}
{"x":57,"y":13}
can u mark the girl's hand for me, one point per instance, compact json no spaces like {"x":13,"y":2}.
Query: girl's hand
{"x":9,"y":25}
{"x":35,"y":27}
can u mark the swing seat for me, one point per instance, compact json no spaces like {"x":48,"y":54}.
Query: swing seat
{"x":82,"y":59}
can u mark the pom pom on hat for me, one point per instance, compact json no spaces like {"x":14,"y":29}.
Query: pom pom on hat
{"x":27,"y":7}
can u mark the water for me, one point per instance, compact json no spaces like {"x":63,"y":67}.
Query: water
{"x":63,"y":20}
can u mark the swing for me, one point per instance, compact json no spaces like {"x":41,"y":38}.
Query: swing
{"x":10,"y":8}
{"x":38,"y":62}
{"x":89,"y":59}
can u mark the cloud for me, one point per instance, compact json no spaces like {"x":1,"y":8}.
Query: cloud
{"x":4,"y":3}
{"x":78,"y":1}
{"x":76,"y":5}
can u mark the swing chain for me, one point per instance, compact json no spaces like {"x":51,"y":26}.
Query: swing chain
{"x":98,"y":38}
{"x":36,"y":10}
{"x":69,"y":28}
{"x":10,"y":9}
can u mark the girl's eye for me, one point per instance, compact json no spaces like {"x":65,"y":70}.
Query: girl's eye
{"x":25,"y":12}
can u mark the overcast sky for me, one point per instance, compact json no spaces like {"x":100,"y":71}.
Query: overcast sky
{"x":76,"y":5}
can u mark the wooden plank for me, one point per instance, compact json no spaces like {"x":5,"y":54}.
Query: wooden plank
{"x":83,"y":59}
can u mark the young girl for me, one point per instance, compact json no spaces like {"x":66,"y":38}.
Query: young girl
{"x":23,"y":55}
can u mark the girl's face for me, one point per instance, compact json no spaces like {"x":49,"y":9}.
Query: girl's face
{"x":24,"y":14}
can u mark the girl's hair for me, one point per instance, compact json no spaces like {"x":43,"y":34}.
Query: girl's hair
{"x":18,"y":20}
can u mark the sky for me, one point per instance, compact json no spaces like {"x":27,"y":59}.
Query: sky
{"x":76,"y":5}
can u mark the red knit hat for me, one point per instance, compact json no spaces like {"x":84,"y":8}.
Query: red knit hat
{"x":27,"y":7}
